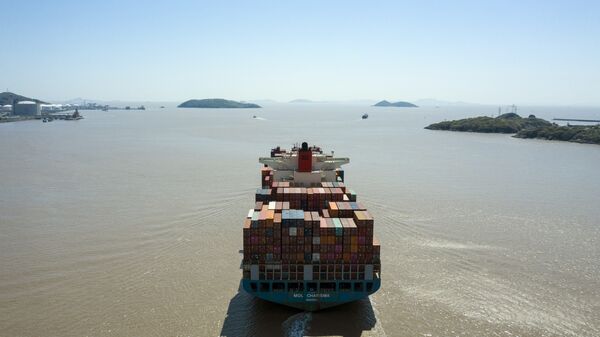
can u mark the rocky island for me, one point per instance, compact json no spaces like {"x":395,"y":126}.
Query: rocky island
{"x":216,"y":103}
{"x":530,"y":127}
{"x":399,"y":104}
{"x":506,"y":123}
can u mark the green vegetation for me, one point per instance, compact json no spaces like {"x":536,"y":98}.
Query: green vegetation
{"x":396,"y":104}
{"x":216,"y":103}
{"x":507,"y":123}
{"x":571,"y":133}
{"x":530,"y":127}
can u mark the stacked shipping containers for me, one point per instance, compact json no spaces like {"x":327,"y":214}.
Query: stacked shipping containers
{"x":321,"y":225}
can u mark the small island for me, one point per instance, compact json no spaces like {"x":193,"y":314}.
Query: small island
{"x":398,"y":104}
{"x":530,"y":127}
{"x":506,"y":123}
{"x":217,"y":103}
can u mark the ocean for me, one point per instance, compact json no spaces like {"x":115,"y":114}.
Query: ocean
{"x":129,"y":223}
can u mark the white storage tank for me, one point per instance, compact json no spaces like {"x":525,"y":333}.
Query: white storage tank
{"x":6,"y":108}
{"x":27,"y":108}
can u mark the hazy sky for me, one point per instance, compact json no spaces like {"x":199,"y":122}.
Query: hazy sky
{"x":498,"y":52}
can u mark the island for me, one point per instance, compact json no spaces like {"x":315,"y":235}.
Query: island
{"x":506,"y":123}
{"x":530,"y":127}
{"x":216,"y":103}
{"x":399,"y":104}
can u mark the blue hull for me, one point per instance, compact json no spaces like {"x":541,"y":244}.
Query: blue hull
{"x":303,"y":297}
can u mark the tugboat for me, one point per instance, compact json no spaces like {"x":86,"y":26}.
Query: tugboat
{"x":365,"y":116}
{"x":307,"y":243}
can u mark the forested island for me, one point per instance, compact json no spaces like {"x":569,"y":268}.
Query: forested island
{"x":217,"y":103}
{"x":399,"y":104}
{"x":530,"y":127}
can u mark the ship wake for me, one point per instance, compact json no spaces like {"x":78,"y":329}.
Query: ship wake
{"x":297,"y":325}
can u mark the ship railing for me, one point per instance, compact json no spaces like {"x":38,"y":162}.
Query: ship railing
{"x":316,"y":271}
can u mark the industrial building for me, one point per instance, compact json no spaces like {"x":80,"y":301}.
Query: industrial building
{"x":27,"y":108}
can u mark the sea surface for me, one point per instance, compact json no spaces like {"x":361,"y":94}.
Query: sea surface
{"x":128,"y":223}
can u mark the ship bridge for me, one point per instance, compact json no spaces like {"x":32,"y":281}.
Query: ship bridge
{"x":305,"y":166}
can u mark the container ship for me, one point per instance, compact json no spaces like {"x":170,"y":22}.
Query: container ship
{"x":308,"y":243}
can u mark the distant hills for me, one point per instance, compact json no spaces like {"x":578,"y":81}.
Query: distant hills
{"x":303,"y":100}
{"x":437,"y":103}
{"x":9,"y":97}
{"x":398,"y":104}
{"x":217,"y":103}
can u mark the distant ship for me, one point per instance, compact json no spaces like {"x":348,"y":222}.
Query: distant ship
{"x":365,"y":116}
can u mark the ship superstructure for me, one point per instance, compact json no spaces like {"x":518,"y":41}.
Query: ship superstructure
{"x":307,"y":242}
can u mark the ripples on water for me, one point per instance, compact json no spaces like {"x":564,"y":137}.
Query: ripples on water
{"x":129,"y":224}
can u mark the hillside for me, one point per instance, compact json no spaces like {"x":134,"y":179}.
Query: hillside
{"x":571,"y":133}
{"x":9,"y":97}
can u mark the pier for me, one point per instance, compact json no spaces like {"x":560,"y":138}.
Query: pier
{"x":577,"y":120}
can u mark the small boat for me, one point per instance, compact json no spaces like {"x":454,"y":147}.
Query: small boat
{"x":365,"y":116}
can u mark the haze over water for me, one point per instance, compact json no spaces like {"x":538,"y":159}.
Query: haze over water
{"x":128,"y":223}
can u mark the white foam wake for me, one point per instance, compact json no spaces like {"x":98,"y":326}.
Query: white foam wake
{"x":297,"y":325}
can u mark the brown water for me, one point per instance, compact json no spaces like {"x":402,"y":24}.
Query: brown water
{"x":129,"y":224}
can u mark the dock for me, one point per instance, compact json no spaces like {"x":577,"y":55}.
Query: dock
{"x":577,"y":120}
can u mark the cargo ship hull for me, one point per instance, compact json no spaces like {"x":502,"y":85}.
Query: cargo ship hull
{"x":308,"y":300}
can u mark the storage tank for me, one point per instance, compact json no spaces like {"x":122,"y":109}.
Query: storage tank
{"x":6,"y":108}
{"x":27,"y":108}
